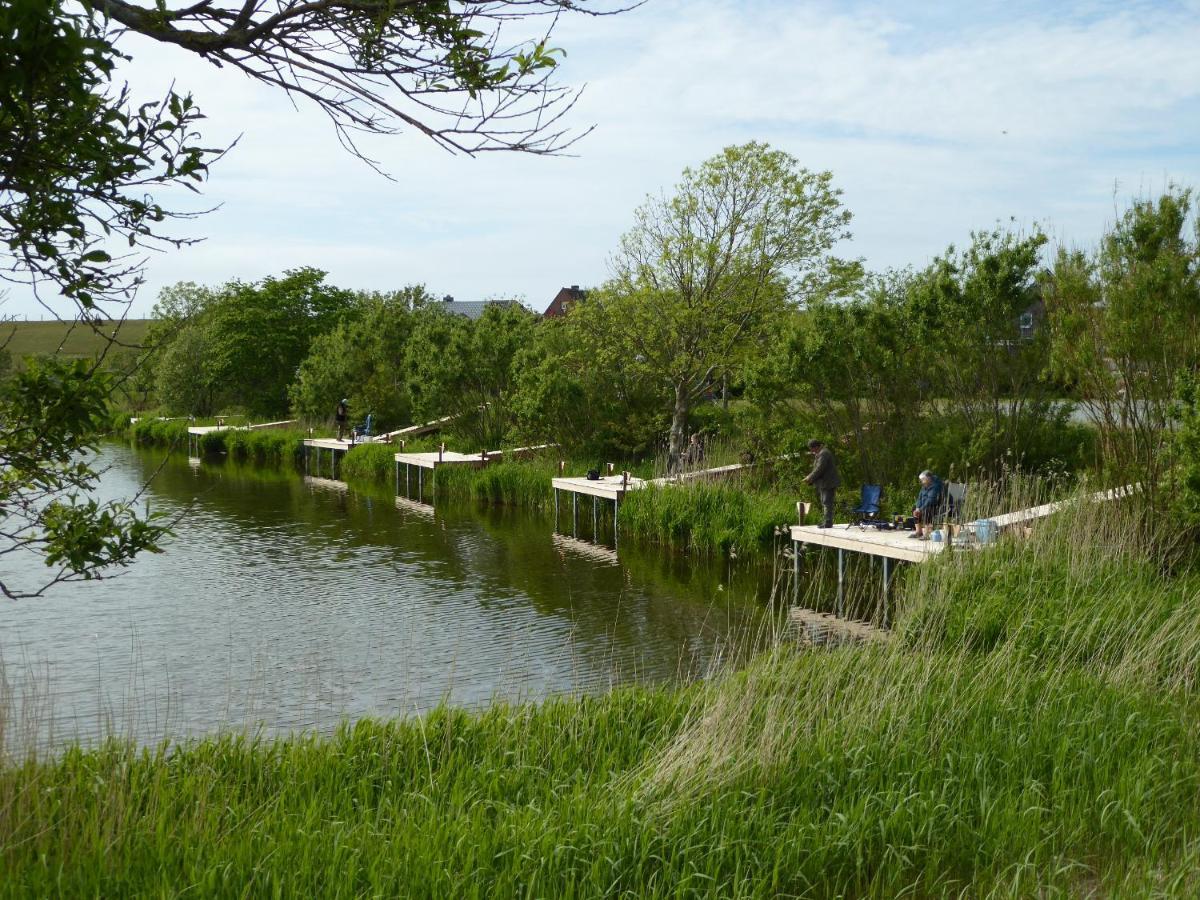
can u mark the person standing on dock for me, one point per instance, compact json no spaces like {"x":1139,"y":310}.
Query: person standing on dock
{"x":824,"y":477}
{"x":340,"y":415}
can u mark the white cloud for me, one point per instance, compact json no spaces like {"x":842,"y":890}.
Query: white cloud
{"x":934,"y":121}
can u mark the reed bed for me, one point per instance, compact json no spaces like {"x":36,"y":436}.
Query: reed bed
{"x":707,"y":517}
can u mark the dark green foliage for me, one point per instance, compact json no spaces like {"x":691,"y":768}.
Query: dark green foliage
{"x":466,"y":368}
{"x":563,"y":395}
{"x":52,"y":414}
{"x":238,"y":347}
{"x":362,"y":359}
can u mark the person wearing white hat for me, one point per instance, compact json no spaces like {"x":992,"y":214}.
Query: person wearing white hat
{"x":929,"y":503}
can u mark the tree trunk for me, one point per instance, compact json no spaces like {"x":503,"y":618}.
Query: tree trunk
{"x":678,"y":428}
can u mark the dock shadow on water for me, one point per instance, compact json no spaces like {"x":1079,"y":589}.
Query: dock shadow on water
{"x":289,"y":604}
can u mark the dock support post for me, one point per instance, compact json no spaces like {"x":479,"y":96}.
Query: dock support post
{"x":616,"y":510}
{"x":886,"y":588}
{"x":397,"y":477}
{"x":407,"y":481}
{"x":841,"y":592}
{"x":556,"y":510}
{"x":420,"y":484}
{"x":574,"y":514}
{"x":595,"y":521}
{"x":796,"y":547}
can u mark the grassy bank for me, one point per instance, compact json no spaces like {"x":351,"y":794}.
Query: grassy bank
{"x":1059,"y":757}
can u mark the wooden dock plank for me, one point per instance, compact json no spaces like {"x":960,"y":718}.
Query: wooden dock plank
{"x":433,"y":459}
{"x":871,"y":541}
{"x":608,"y":487}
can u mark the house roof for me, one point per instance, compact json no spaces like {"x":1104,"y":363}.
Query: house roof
{"x":472,"y":309}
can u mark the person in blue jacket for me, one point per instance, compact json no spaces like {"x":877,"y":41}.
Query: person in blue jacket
{"x":929,"y":504}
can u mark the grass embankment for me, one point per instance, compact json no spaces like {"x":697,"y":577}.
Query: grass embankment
{"x":69,"y":339}
{"x":1058,"y":757}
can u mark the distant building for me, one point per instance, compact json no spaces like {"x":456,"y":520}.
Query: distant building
{"x":1030,"y":321}
{"x":562,"y":301}
{"x":472,"y":309}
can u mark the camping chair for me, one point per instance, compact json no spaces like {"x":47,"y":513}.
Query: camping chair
{"x":868,"y":505}
{"x":952,"y":502}
{"x":363,"y":430}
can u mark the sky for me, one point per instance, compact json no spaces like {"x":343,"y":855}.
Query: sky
{"x":935,"y":119}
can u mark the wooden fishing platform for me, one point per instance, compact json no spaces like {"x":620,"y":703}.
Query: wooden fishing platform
{"x":892,"y":546}
{"x":614,"y":486}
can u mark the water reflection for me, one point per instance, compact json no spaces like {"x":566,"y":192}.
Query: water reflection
{"x":289,"y":603}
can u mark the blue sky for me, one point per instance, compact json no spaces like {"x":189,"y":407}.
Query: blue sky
{"x":934,"y":118}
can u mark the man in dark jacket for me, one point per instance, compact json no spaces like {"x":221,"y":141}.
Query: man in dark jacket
{"x":824,"y":477}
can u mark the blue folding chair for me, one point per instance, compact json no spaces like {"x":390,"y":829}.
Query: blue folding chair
{"x":867,"y":510}
{"x":364,"y":430}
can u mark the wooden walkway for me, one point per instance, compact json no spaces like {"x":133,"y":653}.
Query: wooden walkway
{"x":900,"y":546}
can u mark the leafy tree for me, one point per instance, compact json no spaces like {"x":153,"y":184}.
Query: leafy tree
{"x":239,"y":347}
{"x":362,"y":359}
{"x":53,"y":415}
{"x":466,"y":368}
{"x":850,"y":362}
{"x":704,"y":275}
{"x":562,"y":396}
{"x":79,"y":162}
{"x":1125,"y":324}
{"x":184,"y":382}
{"x":964,"y":314}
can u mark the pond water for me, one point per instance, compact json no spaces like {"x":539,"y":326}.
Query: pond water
{"x":286,"y":603}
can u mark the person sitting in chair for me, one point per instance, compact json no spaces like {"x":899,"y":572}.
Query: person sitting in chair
{"x":929,"y":504}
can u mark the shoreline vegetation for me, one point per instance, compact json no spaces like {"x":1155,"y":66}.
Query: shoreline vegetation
{"x":721,"y":517}
{"x":1029,"y":729}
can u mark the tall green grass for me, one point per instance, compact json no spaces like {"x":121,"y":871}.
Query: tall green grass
{"x":526,"y":484}
{"x":708,"y":517}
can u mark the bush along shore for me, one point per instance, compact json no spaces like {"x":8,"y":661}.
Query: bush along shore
{"x":1029,"y":730}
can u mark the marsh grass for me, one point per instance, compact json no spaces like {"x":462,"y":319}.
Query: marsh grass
{"x":1060,"y":756}
{"x":707,"y":517}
